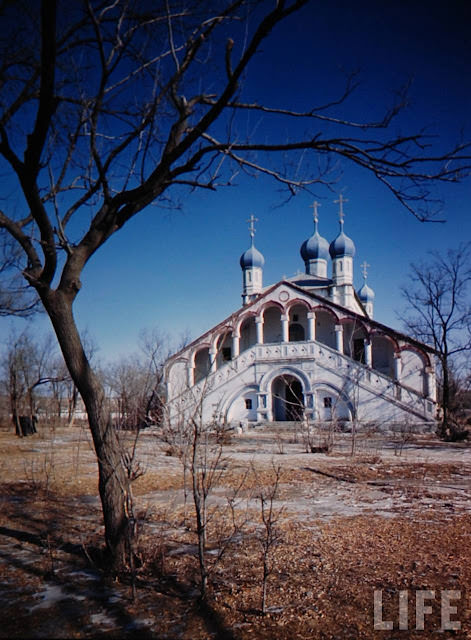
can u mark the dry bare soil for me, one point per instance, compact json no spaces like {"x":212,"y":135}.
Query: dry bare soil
{"x":345,"y":527}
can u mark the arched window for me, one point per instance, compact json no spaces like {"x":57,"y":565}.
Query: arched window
{"x":202,"y":364}
{"x":298,"y":323}
{"x":354,"y":335}
{"x":248,"y":334}
{"x":272,"y":324}
{"x":223,"y":349}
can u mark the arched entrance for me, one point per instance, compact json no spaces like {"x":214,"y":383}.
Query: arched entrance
{"x":287,"y":398}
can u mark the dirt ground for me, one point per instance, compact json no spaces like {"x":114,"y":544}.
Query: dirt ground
{"x":385,"y":521}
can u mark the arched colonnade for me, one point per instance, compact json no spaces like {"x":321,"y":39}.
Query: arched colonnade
{"x":297,"y":321}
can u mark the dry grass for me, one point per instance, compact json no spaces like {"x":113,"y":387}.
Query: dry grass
{"x":334,"y":551}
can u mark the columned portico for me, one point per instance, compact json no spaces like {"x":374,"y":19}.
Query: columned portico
{"x":397,"y":367}
{"x":212,"y":359}
{"x":284,"y":328}
{"x":339,"y":337}
{"x":311,"y":325}
{"x":368,"y":356}
{"x":191,"y":373}
{"x":259,"y":327}
{"x":430,"y":389}
{"x":235,"y":344}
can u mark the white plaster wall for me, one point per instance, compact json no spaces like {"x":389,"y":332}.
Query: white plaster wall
{"x":177,"y":377}
{"x":412,"y":370}
{"x":238,"y":411}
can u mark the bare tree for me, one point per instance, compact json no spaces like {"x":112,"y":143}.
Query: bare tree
{"x":17,"y":298}
{"x":107,"y":108}
{"x":27,"y":365}
{"x":440,"y":314}
{"x":270,"y":534}
{"x":134,"y":382}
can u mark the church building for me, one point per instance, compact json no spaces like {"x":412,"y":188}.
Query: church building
{"x":306,"y":347}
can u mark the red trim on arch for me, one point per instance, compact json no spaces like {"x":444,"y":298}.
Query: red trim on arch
{"x":355,"y":322}
{"x":269,"y":304}
{"x":381,"y":334}
{"x":244,"y":318}
{"x":419,"y":352}
{"x":226,"y":330}
{"x":321,"y":307}
{"x":297,"y":302}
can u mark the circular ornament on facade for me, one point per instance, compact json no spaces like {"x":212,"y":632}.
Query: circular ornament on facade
{"x":283,"y":296}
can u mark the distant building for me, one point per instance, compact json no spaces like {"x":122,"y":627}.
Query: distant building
{"x":305,"y":347}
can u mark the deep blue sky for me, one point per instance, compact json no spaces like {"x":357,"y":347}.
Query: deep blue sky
{"x":179,"y":270}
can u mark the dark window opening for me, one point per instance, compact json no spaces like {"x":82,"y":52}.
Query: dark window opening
{"x":226,"y":353}
{"x":248,"y":403}
{"x":296,"y":333}
{"x":359,"y":350}
{"x":295,"y":317}
{"x":328,"y":403}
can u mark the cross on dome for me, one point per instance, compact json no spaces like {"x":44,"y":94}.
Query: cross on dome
{"x":314,"y":206}
{"x":252,"y":221}
{"x":340,"y":202}
{"x":364,"y":266}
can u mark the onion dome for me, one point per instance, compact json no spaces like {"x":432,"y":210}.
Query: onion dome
{"x":366,"y":294}
{"x":252,"y":258}
{"x":315,"y":248}
{"x":342,"y":245}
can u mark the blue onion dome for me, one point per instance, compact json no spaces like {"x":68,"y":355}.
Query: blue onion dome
{"x":366,"y":294}
{"x":342,"y":245}
{"x":252,"y":258}
{"x":315,"y":248}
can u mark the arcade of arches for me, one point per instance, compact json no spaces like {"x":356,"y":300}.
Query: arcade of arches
{"x":299,"y":323}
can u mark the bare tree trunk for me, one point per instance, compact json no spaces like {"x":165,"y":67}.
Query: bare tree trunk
{"x":199,"y":498}
{"x":14,"y":402}
{"x":444,"y":427}
{"x":71,"y":406}
{"x":354,"y":436}
{"x":113,"y":481}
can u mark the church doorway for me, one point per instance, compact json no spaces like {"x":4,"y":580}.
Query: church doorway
{"x":287,"y":399}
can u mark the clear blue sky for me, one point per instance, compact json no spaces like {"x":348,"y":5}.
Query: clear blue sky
{"x":178,"y":270}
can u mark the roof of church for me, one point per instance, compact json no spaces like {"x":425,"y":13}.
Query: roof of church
{"x":308,"y":280}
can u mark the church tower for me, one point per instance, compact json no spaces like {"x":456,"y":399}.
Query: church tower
{"x":315,"y":250}
{"x":342,"y":251}
{"x":251,"y":262}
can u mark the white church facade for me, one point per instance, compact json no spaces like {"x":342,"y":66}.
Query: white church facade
{"x":306,"y":347}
